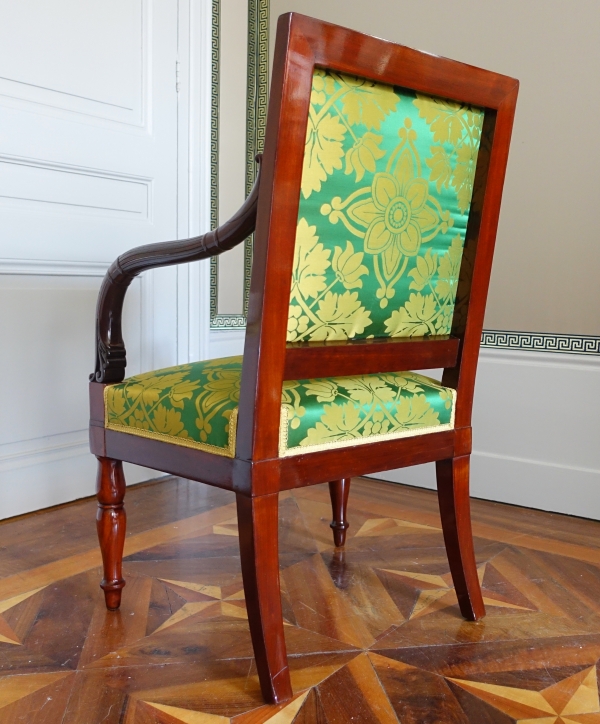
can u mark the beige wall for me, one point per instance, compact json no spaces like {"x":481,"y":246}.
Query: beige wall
{"x":546,"y":269}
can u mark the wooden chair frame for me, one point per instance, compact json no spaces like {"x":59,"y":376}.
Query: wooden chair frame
{"x":257,"y":474}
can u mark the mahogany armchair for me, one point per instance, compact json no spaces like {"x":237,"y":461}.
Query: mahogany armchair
{"x":374,"y":219}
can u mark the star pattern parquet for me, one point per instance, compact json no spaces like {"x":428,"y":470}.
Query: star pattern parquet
{"x":374,"y":634}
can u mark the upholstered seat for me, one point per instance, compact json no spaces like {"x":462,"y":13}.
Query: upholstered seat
{"x":196,"y":405}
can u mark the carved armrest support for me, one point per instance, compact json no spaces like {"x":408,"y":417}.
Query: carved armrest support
{"x":110,"y":348}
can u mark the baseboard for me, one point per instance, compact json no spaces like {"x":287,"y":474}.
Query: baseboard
{"x":41,"y":473}
{"x":536,"y":420}
{"x":530,"y":483}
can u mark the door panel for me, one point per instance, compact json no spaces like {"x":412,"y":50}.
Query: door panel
{"x":88,"y":140}
{"x":88,"y":169}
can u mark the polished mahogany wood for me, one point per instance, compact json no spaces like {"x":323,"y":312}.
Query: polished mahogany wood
{"x":257,"y":474}
{"x":110,"y":523}
{"x":455,"y":511}
{"x":307,"y":360}
{"x":339,"y":491}
{"x":110,"y":347}
{"x":311,"y":468}
{"x":258,"y":522}
{"x":267,"y":476}
{"x":197,"y":465}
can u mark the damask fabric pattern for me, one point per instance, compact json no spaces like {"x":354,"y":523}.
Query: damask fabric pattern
{"x":384,"y":204}
{"x":196,"y":405}
{"x":344,"y":411}
{"x":193,"y":405}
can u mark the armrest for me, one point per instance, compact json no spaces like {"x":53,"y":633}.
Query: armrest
{"x":110,"y":348}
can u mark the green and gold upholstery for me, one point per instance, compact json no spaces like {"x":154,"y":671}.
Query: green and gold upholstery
{"x":196,"y":405}
{"x":384,"y":205}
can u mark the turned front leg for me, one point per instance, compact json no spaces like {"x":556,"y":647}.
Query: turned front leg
{"x":110,"y":523}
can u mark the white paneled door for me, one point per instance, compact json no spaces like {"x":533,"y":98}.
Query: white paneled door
{"x":88,"y":169}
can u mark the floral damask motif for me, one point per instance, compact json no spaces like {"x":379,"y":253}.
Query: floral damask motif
{"x":429,"y":314}
{"x":394,"y":216}
{"x":290,"y":399}
{"x":354,"y":408}
{"x":386,"y":191}
{"x":317,"y":312}
{"x":220,"y":394}
{"x":148,"y":401}
{"x":192,"y":403}
{"x":362,"y":103}
{"x":363,"y":155}
{"x":457,"y":131}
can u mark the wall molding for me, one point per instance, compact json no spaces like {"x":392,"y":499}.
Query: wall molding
{"x":43,"y":267}
{"x":69,"y":105}
{"x":545,"y":342}
{"x":73,"y":168}
{"x":256,"y":121}
{"x":542,"y":463}
{"x":541,"y":342}
{"x":43,"y":450}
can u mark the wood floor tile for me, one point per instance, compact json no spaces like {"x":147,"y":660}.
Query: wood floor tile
{"x":417,"y":696}
{"x":65,"y":531}
{"x":34,"y":698}
{"x":367,"y":596}
{"x":282,"y":714}
{"x":311,"y":711}
{"x":309,"y":670}
{"x":355,"y":693}
{"x":321,"y":607}
{"x":373,"y":632}
{"x":175,"y":714}
{"x":468,"y":660}
{"x":72,"y":565}
{"x":110,"y":630}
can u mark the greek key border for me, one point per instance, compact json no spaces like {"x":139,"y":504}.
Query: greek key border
{"x":541,"y":342}
{"x":256,"y":120}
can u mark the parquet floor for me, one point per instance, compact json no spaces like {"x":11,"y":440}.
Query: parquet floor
{"x":374,"y":633}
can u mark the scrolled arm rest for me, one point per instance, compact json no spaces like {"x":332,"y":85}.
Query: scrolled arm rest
{"x":110,"y":349}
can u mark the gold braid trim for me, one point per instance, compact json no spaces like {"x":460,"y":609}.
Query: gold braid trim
{"x":283,"y":431}
{"x":233,"y":419}
{"x":284,"y":451}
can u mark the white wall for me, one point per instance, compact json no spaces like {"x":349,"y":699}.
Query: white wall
{"x":535,"y":433}
{"x":69,"y":219}
{"x":545,"y":269}
{"x":47,"y":324}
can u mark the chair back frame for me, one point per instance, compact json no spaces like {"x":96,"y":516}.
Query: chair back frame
{"x":303,"y":44}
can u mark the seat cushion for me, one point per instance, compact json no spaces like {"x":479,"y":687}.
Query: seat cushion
{"x":196,"y":405}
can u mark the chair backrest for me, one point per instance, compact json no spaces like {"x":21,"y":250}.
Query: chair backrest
{"x":385,"y":197}
{"x":379,"y":200}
